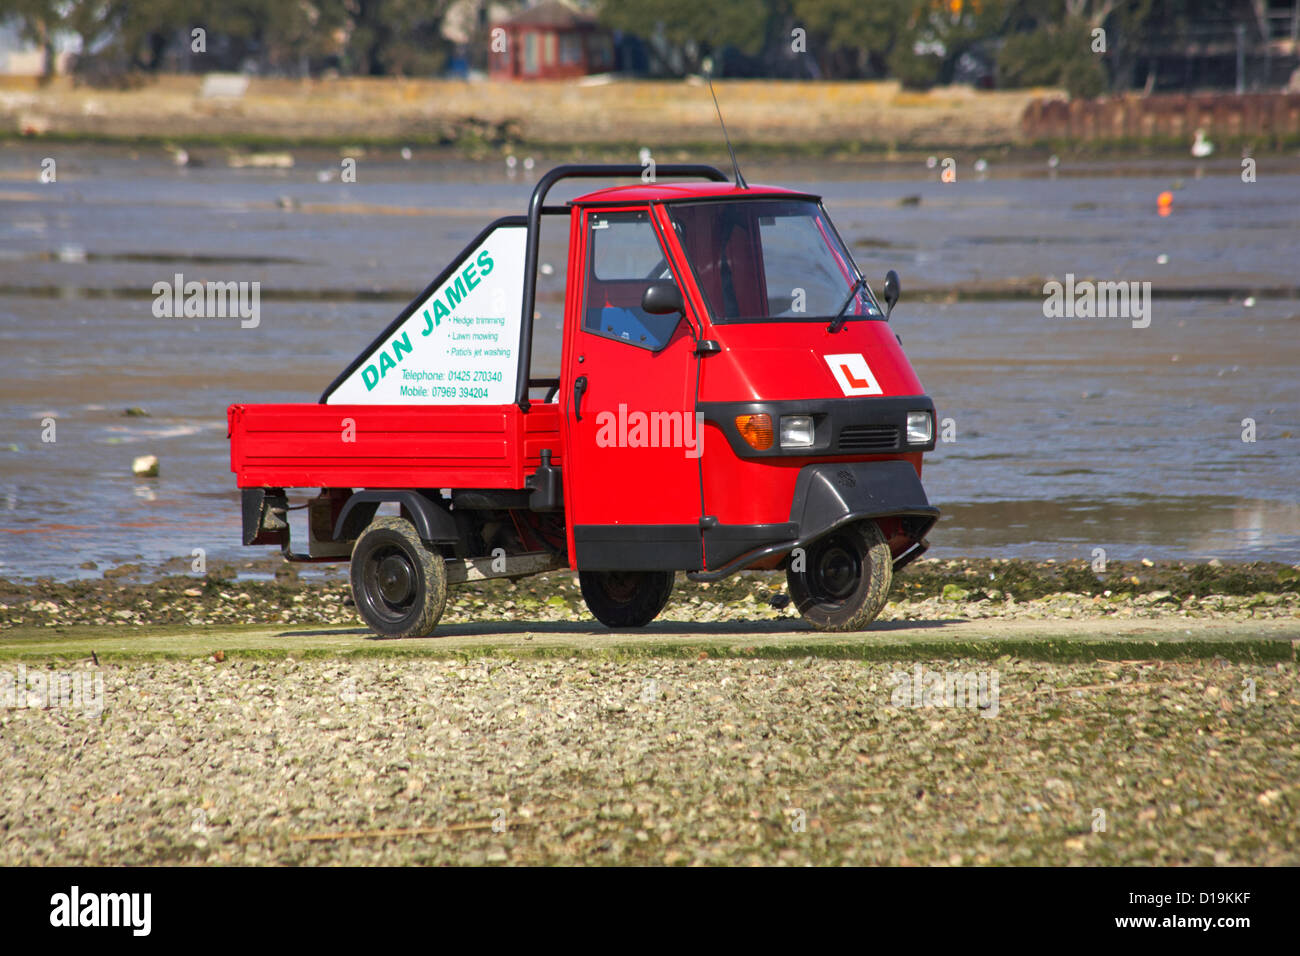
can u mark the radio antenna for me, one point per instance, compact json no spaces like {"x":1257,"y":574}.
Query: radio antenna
{"x":740,"y":179}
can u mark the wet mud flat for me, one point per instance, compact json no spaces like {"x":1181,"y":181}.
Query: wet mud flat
{"x":1067,"y":434}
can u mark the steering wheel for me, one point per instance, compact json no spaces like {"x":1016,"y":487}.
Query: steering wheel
{"x":552,"y":386}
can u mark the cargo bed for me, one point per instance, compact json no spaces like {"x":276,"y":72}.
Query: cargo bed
{"x":390,"y":446}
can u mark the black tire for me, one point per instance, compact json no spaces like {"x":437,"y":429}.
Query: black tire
{"x":626,"y":598}
{"x":399,"y":585}
{"x":845,"y":578}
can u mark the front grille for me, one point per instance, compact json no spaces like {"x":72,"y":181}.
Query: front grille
{"x":868,"y":438}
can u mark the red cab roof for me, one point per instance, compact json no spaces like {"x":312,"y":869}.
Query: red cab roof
{"x":681,"y":191}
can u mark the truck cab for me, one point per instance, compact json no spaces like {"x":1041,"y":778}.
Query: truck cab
{"x":730,"y":396}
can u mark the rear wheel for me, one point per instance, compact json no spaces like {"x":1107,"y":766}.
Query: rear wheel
{"x":399,"y":586}
{"x":626,"y":598}
{"x":843,"y":579}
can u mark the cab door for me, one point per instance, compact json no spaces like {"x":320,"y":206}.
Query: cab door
{"x":632,"y":448}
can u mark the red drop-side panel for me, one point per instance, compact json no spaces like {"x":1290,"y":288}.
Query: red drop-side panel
{"x":389,"y":446}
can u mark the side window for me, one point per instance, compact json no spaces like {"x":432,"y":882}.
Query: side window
{"x":552,"y":279}
{"x":623,"y":258}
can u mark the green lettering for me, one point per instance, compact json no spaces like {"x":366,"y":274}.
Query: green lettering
{"x":455,"y":293}
{"x":471,"y":276}
{"x":404,"y":343}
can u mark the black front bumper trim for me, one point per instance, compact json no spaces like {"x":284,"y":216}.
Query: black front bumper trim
{"x":831,"y":416}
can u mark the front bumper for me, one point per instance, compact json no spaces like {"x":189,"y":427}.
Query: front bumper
{"x":827,"y":496}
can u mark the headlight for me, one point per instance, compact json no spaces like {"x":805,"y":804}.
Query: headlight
{"x":919,"y":429}
{"x":796,"y":431}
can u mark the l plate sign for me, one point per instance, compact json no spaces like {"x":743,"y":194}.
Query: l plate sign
{"x":853,"y":374}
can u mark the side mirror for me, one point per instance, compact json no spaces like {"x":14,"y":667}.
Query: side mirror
{"x":892,"y":291}
{"x":662,"y":298}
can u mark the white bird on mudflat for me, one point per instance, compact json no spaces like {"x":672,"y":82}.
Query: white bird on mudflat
{"x":1202,"y":147}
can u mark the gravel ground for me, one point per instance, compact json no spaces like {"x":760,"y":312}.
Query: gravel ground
{"x":656,"y":761}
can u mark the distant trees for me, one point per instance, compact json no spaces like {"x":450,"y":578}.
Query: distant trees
{"x":363,"y":37}
{"x":854,"y":39}
{"x":390,"y":37}
{"x":920,"y":42}
{"x":38,"y":21}
{"x":680,"y":34}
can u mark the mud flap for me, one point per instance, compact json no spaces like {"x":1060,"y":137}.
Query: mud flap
{"x":830,"y":495}
{"x":264,"y":511}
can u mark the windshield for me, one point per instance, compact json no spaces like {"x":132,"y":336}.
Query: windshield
{"x":760,"y":260}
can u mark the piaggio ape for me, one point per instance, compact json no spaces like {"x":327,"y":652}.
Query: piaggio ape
{"x":730,"y":397}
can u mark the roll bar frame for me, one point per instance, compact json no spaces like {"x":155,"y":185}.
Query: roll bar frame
{"x":537,"y":208}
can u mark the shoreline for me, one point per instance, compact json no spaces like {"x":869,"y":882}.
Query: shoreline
{"x":600,"y":117}
{"x":972,"y":590}
{"x":859,"y":151}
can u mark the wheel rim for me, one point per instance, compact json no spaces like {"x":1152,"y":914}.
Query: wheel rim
{"x":621,"y":587}
{"x":835,"y":570}
{"x":389,"y":583}
{"x":396,"y":579}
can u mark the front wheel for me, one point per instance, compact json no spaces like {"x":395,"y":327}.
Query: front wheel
{"x":626,"y":598}
{"x":399,"y":585}
{"x":841,"y":582}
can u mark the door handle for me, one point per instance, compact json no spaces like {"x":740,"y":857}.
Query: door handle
{"x":579,"y":389}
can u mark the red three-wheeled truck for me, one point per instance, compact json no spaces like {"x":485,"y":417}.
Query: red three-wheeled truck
{"x":730,"y":397}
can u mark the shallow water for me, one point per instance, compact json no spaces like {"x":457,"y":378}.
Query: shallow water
{"x":1069,"y":434}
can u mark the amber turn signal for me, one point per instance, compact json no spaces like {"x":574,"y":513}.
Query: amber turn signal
{"x":756,"y":429}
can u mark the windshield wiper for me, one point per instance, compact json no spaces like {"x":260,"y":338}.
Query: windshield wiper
{"x":840,"y":317}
